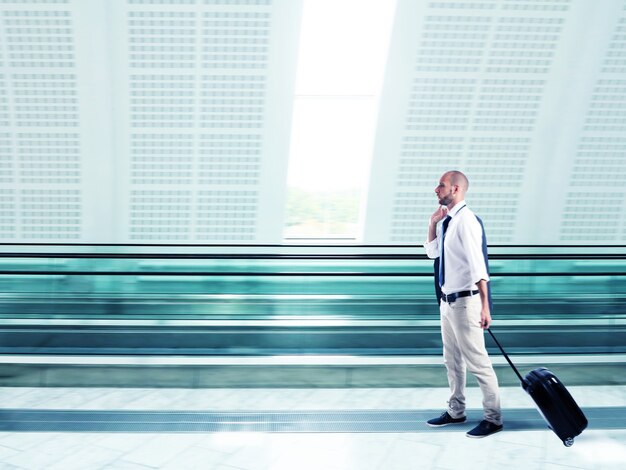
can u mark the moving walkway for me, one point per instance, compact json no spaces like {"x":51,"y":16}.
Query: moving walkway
{"x":341,"y":315}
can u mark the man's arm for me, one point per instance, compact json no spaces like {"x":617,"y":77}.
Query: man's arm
{"x":485,"y":313}
{"x":431,"y":245}
{"x":437,"y":216}
{"x":472,"y":233}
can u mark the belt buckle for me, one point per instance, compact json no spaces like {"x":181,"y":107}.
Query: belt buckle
{"x":449,"y":298}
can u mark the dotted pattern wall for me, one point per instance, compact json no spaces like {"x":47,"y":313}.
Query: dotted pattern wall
{"x":596,"y":184}
{"x":7,"y":161}
{"x":477,"y":89}
{"x":8,"y":206}
{"x":198,"y":90}
{"x":40,"y":154}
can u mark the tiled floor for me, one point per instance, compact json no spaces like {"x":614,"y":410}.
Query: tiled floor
{"x":597,"y":448}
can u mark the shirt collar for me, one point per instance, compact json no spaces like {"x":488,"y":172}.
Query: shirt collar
{"x":457,"y":207}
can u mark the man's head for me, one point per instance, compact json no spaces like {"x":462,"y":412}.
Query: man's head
{"x":451,"y":188}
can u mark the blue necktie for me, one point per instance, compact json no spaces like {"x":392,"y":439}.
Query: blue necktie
{"x":439,"y":277}
{"x":442,"y":266}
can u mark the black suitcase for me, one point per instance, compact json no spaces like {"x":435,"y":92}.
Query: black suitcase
{"x":553,"y":401}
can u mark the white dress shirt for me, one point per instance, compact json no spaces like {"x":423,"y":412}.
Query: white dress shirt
{"x":464,"y":261}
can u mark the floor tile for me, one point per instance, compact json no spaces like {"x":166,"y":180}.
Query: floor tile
{"x":595,"y":449}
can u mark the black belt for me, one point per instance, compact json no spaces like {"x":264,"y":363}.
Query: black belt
{"x":457,"y":295}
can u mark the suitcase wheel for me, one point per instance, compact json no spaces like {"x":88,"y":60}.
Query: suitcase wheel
{"x":569,"y":442}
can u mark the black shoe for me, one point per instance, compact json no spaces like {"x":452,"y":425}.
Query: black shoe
{"x":444,"y":420}
{"x":484,"y":429}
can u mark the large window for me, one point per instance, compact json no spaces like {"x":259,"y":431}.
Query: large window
{"x":343,"y":50}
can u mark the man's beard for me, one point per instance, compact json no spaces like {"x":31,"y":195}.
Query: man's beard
{"x":444,"y":201}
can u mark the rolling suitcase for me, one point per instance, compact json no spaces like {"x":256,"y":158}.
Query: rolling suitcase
{"x":553,"y":401}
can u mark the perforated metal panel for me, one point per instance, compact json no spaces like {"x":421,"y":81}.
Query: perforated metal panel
{"x":599,"y":161}
{"x":478,"y":83}
{"x":40,"y":158}
{"x":201,"y":69}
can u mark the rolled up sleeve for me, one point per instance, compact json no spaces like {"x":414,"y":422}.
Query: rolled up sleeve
{"x":432,"y":248}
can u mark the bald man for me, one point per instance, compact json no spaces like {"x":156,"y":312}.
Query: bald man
{"x":464,"y":307}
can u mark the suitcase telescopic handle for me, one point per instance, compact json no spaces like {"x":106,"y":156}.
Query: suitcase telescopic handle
{"x":506,"y":356}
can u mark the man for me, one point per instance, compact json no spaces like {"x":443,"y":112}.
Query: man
{"x":464,"y":308}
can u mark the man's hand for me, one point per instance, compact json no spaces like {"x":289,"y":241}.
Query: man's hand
{"x":438,"y":215}
{"x":485,"y":313}
{"x":485,"y":318}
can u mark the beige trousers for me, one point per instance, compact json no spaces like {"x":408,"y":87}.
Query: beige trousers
{"x":464,"y":347}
